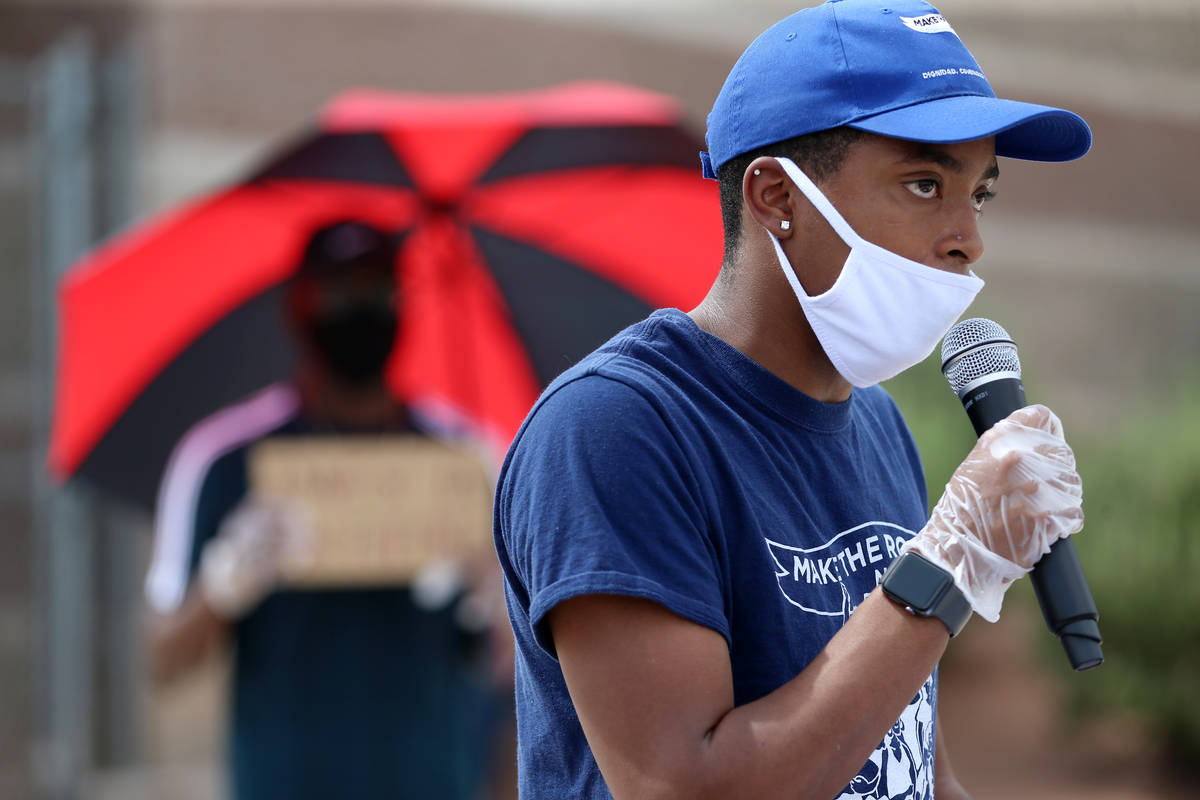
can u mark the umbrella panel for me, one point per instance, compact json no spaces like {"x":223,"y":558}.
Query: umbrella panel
{"x":459,"y":359}
{"x":177,"y":397}
{"x":359,"y":157}
{"x":654,"y":231}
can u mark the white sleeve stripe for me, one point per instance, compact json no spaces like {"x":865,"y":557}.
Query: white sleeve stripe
{"x":179,"y":492}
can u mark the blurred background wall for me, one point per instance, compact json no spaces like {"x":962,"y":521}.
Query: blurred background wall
{"x":110,"y":111}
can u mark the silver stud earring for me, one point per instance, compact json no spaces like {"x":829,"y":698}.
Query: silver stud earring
{"x":786,"y":224}
{"x":960,"y":237}
{"x":758,"y":172}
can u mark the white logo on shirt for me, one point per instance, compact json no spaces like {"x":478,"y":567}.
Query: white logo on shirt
{"x":830,"y":580}
{"x":856,"y":556}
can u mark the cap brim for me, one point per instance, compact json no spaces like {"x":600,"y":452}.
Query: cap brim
{"x":1022,"y":130}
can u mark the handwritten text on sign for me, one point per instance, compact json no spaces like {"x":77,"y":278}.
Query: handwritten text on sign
{"x":380,"y":507}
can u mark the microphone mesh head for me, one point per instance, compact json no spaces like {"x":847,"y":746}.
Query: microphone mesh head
{"x":975,"y":348}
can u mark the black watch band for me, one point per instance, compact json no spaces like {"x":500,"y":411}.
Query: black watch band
{"x":926,"y":590}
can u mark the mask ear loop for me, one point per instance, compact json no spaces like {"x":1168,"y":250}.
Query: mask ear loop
{"x":788,"y":272}
{"x":822,"y":204}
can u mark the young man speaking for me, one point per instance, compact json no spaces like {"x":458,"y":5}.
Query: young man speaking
{"x":693,"y":521}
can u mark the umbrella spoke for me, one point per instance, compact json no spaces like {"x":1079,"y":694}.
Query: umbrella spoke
{"x":546,"y":295}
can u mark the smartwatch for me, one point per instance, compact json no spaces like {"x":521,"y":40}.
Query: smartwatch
{"x":926,"y":590}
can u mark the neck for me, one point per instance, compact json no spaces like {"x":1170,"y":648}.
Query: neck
{"x":752,"y":308}
{"x":369,"y":406}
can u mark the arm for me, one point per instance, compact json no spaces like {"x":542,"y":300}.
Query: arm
{"x":238,"y":568}
{"x":948,"y":787}
{"x":654,"y":694}
{"x":183,"y":639}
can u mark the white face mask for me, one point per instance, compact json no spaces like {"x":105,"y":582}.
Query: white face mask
{"x":884,"y":313}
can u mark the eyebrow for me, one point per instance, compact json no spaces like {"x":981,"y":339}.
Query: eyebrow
{"x":936,"y":155}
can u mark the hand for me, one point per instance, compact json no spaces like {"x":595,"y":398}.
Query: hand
{"x":1016,"y":493}
{"x":475,"y":584}
{"x":256,"y":545}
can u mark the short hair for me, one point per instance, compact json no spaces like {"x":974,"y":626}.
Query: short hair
{"x":819,"y":154}
{"x":334,"y":250}
{"x":346,"y":244}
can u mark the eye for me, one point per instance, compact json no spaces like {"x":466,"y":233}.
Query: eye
{"x":926,"y":188}
{"x":982,"y":197}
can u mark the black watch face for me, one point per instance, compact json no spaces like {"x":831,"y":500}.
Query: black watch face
{"x":919,"y":582}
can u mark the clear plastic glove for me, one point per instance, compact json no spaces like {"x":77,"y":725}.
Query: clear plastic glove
{"x":437,"y":584}
{"x":1016,"y":494}
{"x":256,"y":545}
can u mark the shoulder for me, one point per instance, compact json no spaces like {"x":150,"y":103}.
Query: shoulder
{"x":195,"y":460}
{"x":220,"y":433}
{"x":594,"y":447}
{"x":631,"y":388}
{"x":599,"y":496}
{"x":600,"y":437}
{"x":586,"y":426}
{"x":641,"y":366}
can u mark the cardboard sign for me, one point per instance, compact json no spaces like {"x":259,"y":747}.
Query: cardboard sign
{"x":379,"y":507}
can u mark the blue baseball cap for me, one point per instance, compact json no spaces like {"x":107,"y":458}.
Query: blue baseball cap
{"x":893,"y":68}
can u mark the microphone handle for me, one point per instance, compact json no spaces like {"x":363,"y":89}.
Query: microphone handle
{"x":1058,"y":580}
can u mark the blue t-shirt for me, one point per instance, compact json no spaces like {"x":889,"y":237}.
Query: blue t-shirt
{"x":336,"y":692}
{"x":669,"y":466}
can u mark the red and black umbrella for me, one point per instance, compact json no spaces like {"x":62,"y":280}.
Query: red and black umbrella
{"x":532,"y":226}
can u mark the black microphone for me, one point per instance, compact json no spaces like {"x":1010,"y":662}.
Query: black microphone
{"x":980,"y":361}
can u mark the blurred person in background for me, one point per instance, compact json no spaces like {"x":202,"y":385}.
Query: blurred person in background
{"x":721,"y":570}
{"x":354,"y":692}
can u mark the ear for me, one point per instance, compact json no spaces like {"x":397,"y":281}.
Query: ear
{"x":767,"y":192}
